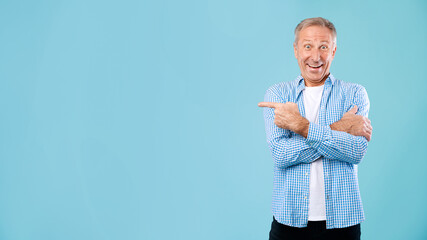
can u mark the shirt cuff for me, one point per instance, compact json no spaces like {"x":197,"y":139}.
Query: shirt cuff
{"x":317,"y":134}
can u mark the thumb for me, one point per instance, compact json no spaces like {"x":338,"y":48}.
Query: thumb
{"x":353,"y":110}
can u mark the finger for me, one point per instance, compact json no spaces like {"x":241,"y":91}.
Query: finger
{"x":368,"y":135}
{"x":353,"y":110}
{"x":367,"y":125}
{"x":268,"y":104}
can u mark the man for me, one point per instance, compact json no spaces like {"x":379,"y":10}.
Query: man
{"x":318,"y":131}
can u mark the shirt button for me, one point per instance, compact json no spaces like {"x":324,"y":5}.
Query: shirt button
{"x":306,"y":173}
{"x":305,"y":197}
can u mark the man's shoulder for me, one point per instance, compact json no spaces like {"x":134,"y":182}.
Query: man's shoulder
{"x":348,"y":86}
{"x":283,"y":87}
{"x":354,"y":93}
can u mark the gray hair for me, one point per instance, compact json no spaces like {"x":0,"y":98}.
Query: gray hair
{"x":318,"y":21}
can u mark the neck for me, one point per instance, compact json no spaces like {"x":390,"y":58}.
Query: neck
{"x":315,"y":84}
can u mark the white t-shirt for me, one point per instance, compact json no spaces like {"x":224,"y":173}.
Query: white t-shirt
{"x":317,"y":207}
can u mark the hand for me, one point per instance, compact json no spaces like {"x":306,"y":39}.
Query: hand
{"x":287,"y":116}
{"x":353,"y":124}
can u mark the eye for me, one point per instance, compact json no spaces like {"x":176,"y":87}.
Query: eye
{"x":307,"y":46}
{"x":323,"y":47}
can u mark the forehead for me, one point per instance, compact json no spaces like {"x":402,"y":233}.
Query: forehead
{"x":315,"y":33}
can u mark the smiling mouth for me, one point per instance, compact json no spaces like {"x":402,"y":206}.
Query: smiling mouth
{"x":313,"y":66}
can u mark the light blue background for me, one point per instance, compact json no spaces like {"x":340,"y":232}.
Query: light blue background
{"x":139,"y":119}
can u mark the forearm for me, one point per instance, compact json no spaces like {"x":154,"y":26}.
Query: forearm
{"x":332,"y":142}
{"x":287,"y":148}
{"x":287,"y":152}
{"x":337,"y":145}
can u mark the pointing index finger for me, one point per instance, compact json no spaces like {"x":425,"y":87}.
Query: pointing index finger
{"x":267,"y":104}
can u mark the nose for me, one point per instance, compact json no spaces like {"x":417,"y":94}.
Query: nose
{"x":315,"y":55}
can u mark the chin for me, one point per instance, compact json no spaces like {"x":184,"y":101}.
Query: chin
{"x":316,"y":78}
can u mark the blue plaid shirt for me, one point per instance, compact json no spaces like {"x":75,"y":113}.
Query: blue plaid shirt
{"x":292,"y":155}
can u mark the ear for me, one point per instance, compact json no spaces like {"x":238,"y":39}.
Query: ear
{"x":295,"y":51}
{"x":334,"y":50}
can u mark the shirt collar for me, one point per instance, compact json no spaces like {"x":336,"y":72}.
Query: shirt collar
{"x":301,"y":85}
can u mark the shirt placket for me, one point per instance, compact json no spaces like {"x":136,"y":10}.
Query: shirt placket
{"x":326,"y":164}
{"x":305,"y":167}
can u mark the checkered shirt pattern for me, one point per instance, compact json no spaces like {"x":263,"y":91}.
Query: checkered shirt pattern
{"x":292,"y":155}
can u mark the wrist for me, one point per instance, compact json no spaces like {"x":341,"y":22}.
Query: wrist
{"x":334,"y":126}
{"x":302,"y":127}
{"x":337,"y":126}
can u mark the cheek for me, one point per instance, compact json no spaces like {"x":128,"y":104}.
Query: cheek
{"x":303,"y":57}
{"x":327,"y":57}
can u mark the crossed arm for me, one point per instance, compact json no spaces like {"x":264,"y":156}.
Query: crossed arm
{"x":344,"y":140}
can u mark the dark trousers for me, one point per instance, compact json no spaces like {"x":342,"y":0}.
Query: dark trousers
{"x":315,"y":230}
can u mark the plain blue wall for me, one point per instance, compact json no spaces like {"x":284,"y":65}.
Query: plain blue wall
{"x":139,"y":119}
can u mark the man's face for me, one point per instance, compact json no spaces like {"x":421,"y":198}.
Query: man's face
{"x":315,"y":51}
